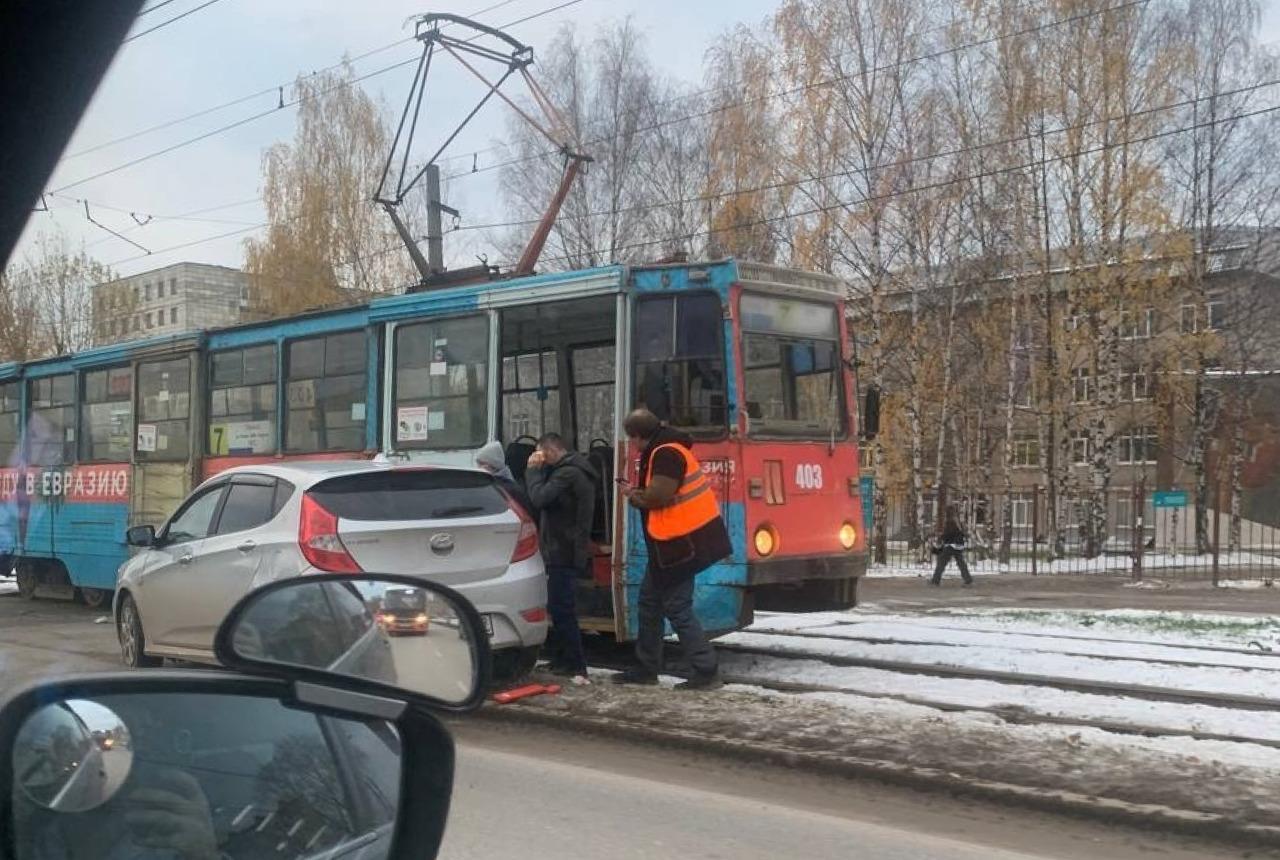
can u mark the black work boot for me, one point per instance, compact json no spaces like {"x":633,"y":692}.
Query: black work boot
{"x":711,"y":681}
{"x":637,"y":676}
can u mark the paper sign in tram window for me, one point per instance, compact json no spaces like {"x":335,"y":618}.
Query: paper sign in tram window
{"x":439,"y":368}
{"x":147,"y":438}
{"x":357,"y":411}
{"x":435,"y":419}
{"x":412,"y":423}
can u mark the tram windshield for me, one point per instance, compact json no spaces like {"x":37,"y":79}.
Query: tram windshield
{"x":791,"y":364}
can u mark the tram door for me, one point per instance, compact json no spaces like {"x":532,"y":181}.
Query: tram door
{"x":559,"y":375}
{"x":165,"y":450}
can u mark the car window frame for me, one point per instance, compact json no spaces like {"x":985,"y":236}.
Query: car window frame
{"x":164,"y":540}
{"x":251,"y":479}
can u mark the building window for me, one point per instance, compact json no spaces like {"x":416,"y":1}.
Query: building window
{"x":1020,"y":510}
{"x":1081,"y":447}
{"x":159,"y":289}
{"x":148,"y":319}
{"x":1137,"y":325}
{"x":327,"y":393}
{"x":137,"y":323}
{"x":1138,"y":445}
{"x":441,"y":384}
{"x":10,"y":421}
{"x":146,"y":292}
{"x":173,"y":286}
{"x":679,"y":360}
{"x":52,"y":431}
{"x":1081,"y":385}
{"x":1134,"y":385}
{"x":106,"y":415}
{"x":1026,"y":452}
{"x":530,"y":394}
{"x":164,"y":392}
{"x":1211,"y":316}
{"x":173,"y":316}
{"x":1023,"y":385}
{"x":242,"y":408}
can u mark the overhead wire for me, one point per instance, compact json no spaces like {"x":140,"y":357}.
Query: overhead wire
{"x":173,"y":20}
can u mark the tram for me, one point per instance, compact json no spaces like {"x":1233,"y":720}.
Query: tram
{"x":754,"y":361}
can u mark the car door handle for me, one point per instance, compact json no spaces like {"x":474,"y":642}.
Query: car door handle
{"x":247,"y":546}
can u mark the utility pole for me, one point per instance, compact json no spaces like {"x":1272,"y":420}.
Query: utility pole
{"x":435,"y":229}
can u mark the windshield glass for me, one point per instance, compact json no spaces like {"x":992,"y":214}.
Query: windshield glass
{"x":441,"y":384}
{"x":791,"y":362}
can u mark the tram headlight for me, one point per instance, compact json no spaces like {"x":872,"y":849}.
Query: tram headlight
{"x":766,"y":540}
{"x":848,"y":536}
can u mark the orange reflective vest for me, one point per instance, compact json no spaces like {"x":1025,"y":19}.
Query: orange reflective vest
{"x":692,"y":507}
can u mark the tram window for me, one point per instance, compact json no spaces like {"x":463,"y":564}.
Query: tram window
{"x":242,"y":401}
{"x":10,"y":422}
{"x":441,"y":384}
{"x":52,"y":430}
{"x":530,"y":395}
{"x":593,"y":386}
{"x":680,"y":372}
{"x":106,"y":415}
{"x":164,"y":392}
{"x":791,"y":367}
{"x":326,"y":393}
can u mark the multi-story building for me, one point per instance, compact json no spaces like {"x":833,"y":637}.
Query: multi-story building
{"x":1081,"y":379}
{"x":176,"y":298}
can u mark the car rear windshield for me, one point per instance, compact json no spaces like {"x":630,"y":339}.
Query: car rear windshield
{"x":426,"y":494}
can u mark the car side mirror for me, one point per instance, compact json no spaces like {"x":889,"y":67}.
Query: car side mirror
{"x":171,"y":764}
{"x":871,"y":413}
{"x":141,"y":536}
{"x":381,"y":633}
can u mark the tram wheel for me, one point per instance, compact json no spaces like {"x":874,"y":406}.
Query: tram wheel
{"x":93,"y":597}
{"x":27,"y":580}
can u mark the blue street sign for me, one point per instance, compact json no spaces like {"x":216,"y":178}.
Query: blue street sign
{"x":1170,"y":499}
{"x":867,"y":486}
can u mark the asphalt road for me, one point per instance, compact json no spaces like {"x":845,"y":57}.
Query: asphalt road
{"x":542,"y":793}
{"x":550,"y":794}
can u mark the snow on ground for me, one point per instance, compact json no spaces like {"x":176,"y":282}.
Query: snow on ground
{"x":8,"y":586}
{"x":1227,"y":681}
{"x":909,"y":631}
{"x":1016,"y":698}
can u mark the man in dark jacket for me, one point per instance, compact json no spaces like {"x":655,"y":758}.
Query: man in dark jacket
{"x":685,"y":535}
{"x":951,"y":546}
{"x":562,"y":486}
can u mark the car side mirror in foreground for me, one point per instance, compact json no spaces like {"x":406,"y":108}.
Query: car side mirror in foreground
{"x":373,"y":632}
{"x":219,"y":765}
{"x":141,"y":536}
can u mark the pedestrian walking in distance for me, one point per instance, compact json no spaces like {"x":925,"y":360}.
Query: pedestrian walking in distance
{"x":951,"y":546}
{"x":684,"y":535}
{"x":562,"y":487}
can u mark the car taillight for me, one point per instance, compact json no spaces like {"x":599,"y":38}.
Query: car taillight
{"x":319,"y":541}
{"x":527,"y":541}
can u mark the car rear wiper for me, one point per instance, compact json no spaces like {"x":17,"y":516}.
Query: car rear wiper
{"x":457,"y":510}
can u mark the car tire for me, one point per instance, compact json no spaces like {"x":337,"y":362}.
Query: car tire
{"x":511,"y":665}
{"x":133,"y":642}
{"x":93,"y":597}
{"x":25,"y":572}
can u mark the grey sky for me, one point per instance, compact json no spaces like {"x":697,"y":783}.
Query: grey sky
{"x":238,"y":47}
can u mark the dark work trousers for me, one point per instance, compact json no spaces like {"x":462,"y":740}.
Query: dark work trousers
{"x":675,"y":603}
{"x":945,"y":555}
{"x":564,"y":617}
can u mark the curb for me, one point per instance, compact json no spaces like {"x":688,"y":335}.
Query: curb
{"x":1104,"y":809}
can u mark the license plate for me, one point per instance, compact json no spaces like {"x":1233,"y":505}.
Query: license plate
{"x":488,"y":623}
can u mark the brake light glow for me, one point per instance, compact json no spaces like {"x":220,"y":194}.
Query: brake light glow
{"x":319,"y":541}
{"x":527,"y":540}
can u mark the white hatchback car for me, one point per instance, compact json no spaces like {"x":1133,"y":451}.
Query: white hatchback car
{"x":255,"y":524}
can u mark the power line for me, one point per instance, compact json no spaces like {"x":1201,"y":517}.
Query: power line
{"x":154,"y":7}
{"x":272,"y":90}
{"x":254,"y":117}
{"x":172,"y":20}
{"x":897,"y":163}
{"x":877,"y":198}
{"x":933,"y":55}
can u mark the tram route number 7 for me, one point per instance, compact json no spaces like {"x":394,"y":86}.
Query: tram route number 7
{"x":809,"y":476}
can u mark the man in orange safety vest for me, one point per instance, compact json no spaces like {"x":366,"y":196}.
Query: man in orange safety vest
{"x":685,"y":535}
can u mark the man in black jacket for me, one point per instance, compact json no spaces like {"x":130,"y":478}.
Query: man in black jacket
{"x":684,"y":535}
{"x":562,"y":487}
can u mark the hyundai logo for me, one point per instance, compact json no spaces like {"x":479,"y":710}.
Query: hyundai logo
{"x":442,"y":543}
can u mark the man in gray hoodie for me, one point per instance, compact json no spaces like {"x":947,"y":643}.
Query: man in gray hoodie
{"x":562,"y":487}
